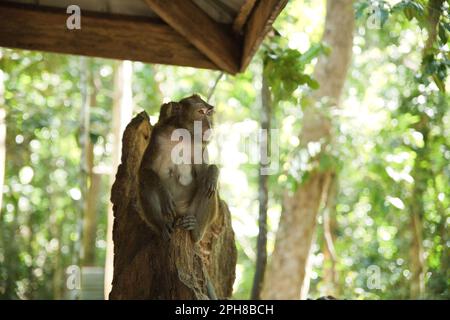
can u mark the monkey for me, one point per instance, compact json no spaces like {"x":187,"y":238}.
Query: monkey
{"x":179,"y":195}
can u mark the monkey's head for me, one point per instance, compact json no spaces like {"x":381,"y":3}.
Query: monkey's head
{"x":186,"y":112}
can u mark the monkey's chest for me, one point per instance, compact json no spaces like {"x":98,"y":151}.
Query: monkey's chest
{"x":181,"y":174}
{"x":180,"y":183}
{"x":177,"y":176}
{"x":179,"y":180}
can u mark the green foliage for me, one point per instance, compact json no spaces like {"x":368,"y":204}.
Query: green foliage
{"x":285,"y":68}
{"x":436,"y":62}
{"x":411,"y":9}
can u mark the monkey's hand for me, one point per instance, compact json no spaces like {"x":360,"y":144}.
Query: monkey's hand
{"x":187,"y":222}
{"x":211,"y":179}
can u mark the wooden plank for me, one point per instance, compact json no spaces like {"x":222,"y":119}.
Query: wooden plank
{"x":258,"y":25}
{"x":216,"y":10}
{"x":242,"y":15}
{"x":202,"y":31}
{"x":108,"y":36}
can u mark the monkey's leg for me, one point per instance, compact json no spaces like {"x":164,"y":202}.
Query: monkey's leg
{"x":158,"y":208}
{"x":200,"y":214}
{"x":205,"y":203}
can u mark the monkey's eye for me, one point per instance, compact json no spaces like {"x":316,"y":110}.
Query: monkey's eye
{"x":203,"y":111}
{"x":210,"y":112}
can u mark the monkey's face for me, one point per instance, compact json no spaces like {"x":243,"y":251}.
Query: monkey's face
{"x":197,"y":110}
{"x":192,"y":113}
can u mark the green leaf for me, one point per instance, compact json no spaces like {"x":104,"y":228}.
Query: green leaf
{"x":361,"y":8}
{"x":443,"y":33}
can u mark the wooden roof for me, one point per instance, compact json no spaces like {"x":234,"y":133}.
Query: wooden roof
{"x":214,"y":34}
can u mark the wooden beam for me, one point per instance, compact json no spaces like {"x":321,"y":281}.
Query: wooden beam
{"x":203,"y":32}
{"x":258,"y":25}
{"x":109,"y":36}
{"x":242,"y":15}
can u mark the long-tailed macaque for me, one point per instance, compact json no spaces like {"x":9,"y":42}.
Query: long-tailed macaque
{"x":174,"y":194}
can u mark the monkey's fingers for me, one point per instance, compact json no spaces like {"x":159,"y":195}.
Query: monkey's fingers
{"x":188,"y":222}
{"x":211,"y":191}
{"x":188,"y":226}
{"x":190,"y":219}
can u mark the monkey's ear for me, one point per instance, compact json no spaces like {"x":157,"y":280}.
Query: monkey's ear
{"x":168,"y":110}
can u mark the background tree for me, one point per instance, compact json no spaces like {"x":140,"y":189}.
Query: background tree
{"x":296,"y":231}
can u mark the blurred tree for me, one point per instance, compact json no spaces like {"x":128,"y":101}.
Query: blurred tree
{"x":93,"y":179}
{"x":419,"y":172}
{"x":287,"y":274}
{"x":263,"y":191}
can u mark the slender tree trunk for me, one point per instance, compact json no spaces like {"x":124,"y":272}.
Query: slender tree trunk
{"x":329,"y":225}
{"x":417,"y":210}
{"x":93,"y":194}
{"x":83,"y":138}
{"x":287,"y":273}
{"x":90,"y":220}
{"x":261,"y":254}
{"x":122,"y":112}
{"x":419,"y":173}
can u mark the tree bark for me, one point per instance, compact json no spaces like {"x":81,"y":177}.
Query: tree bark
{"x":287,"y":273}
{"x":146,"y":267}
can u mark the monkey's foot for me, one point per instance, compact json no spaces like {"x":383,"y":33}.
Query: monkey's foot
{"x":188,"y":222}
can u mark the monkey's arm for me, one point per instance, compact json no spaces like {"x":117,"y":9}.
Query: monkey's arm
{"x":158,"y":208}
{"x":205,"y":204}
{"x":210,"y":180}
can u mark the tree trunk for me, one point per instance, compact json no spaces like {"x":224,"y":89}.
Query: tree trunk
{"x":287,"y":273}
{"x":122,"y":112}
{"x":90,"y":220}
{"x":329,"y":252}
{"x":417,"y":210}
{"x":93,"y":193}
{"x":83,"y":140}
{"x":261,"y":253}
{"x":146,"y":267}
{"x":419,"y":173}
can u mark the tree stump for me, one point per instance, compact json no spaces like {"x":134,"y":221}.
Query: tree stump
{"x":146,"y":266}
